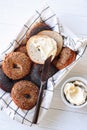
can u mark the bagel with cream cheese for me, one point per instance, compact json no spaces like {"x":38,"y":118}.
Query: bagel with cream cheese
{"x":56,"y":36}
{"x":40,"y":47}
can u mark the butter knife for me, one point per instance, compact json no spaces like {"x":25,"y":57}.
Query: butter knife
{"x":44,"y":78}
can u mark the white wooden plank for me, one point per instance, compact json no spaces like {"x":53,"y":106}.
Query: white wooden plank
{"x":17,"y":12}
{"x":62,"y":120}
{"x":77,"y":7}
{"x":78,"y":22}
{"x":7,"y":34}
{"x":58,"y":104}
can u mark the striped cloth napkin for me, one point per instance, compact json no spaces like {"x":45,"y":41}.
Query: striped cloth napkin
{"x":70,"y":40}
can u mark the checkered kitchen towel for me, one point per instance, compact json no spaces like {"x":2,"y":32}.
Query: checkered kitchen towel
{"x":70,"y":40}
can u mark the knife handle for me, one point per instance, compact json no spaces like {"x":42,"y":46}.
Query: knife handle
{"x":39,"y":100}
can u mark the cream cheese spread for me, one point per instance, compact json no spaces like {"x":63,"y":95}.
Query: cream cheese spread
{"x":75,"y":93}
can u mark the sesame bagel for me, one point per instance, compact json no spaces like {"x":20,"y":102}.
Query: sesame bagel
{"x":21,"y":48}
{"x":65,"y":58}
{"x":16,"y":65}
{"x":24,"y":94}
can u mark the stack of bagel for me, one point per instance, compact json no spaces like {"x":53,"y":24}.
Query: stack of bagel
{"x":23,"y":66}
{"x":43,"y":42}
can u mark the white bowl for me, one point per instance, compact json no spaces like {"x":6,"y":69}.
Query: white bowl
{"x":62,"y":92}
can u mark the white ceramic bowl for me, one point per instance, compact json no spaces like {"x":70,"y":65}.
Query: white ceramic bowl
{"x":62,"y":91}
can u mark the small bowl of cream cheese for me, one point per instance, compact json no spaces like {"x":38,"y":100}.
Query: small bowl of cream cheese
{"x":74,"y":92}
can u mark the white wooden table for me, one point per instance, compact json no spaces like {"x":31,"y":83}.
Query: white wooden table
{"x":13,"y":15}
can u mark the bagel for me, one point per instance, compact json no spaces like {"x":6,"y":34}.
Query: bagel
{"x":36,"y":71}
{"x":40,"y":47}
{"x":56,"y":36}
{"x":21,"y":48}
{"x":36,"y":28}
{"x":65,"y":58}
{"x":16,"y":65}
{"x":6,"y":84}
{"x":24,"y":94}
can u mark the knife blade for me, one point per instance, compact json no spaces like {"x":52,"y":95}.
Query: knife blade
{"x":44,"y":78}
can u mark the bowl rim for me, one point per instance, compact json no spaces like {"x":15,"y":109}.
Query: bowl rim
{"x":62,"y":94}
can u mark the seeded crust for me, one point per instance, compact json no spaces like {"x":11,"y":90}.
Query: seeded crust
{"x":16,"y":65}
{"x":25,"y":94}
{"x":21,"y":48}
{"x":56,"y":36}
{"x":66,"y":57}
{"x":36,"y":28}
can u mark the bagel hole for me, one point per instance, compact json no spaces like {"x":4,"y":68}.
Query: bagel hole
{"x":15,"y":66}
{"x":27,"y":96}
